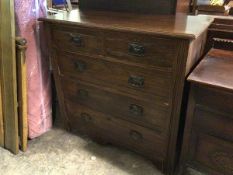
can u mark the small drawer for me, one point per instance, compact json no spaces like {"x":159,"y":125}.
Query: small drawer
{"x":112,"y":130}
{"x":78,"y":40}
{"x":214,"y":122}
{"x":215,"y":154}
{"x":131,"y":79}
{"x":142,"y":49}
{"x":133,"y":109}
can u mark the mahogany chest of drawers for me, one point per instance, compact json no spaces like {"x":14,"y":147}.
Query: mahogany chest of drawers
{"x":208,"y":138}
{"x":120,"y":76}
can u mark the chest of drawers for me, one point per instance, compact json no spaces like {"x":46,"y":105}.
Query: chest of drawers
{"x":208,"y":138}
{"x":120,"y":76}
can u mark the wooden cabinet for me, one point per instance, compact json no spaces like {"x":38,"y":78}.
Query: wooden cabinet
{"x":208,"y":140}
{"x":120,"y":77}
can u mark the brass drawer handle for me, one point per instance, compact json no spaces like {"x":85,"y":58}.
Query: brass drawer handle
{"x":83,"y":94}
{"x":77,"y":39}
{"x":86,"y":117}
{"x":136,"y":81}
{"x":135,"y":135}
{"x":81,"y":66}
{"x":136,"y":49}
{"x":136,"y":110}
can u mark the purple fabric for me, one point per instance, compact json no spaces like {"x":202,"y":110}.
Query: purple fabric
{"x":38,"y":74}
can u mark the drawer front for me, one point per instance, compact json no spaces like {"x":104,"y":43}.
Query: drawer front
{"x":214,"y":154}
{"x":78,"y":40}
{"x":213,"y":122}
{"x":116,"y":131}
{"x":214,"y":98}
{"x":142,"y":49}
{"x":131,"y":79}
{"x":132,"y":109}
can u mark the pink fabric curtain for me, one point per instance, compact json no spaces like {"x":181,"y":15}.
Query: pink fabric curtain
{"x":38,"y":74}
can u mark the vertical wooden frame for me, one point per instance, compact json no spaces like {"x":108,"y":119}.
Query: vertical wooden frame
{"x":1,"y":115}
{"x":1,"y":105}
{"x":8,"y":75}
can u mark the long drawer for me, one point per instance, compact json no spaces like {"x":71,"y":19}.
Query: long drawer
{"x":112,"y":130}
{"x":214,"y":122}
{"x":131,"y":79}
{"x":214,"y":98}
{"x":133,"y":109}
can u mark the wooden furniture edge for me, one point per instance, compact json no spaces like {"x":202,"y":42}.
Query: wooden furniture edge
{"x":8,"y":75}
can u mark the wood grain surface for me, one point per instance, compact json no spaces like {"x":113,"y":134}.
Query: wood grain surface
{"x":8,"y":75}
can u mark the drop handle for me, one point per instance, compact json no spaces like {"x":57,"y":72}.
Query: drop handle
{"x":136,"y":81}
{"x":136,"y":110}
{"x":135,"y":135}
{"x":80,"y":66}
{"x":77,"y":39}
{"x":136,"y":49}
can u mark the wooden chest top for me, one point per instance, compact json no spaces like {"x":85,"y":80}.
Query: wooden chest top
{"x":215,"y":70}
{"x":179,"y":26}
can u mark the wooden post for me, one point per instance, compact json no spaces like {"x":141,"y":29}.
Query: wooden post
{"x":22,"y":91}
{"x":8,"y":75}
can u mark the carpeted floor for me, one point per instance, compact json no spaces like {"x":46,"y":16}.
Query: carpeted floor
{"x":61,"y":153}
